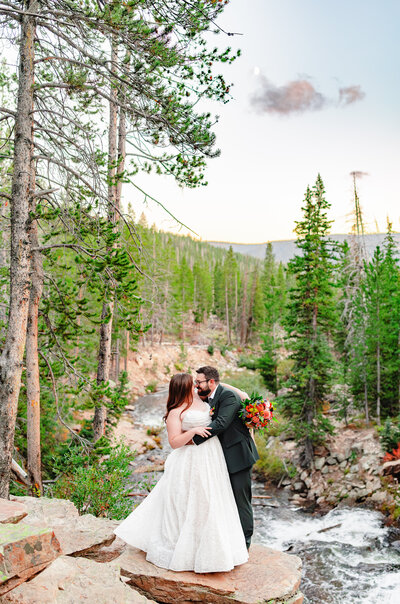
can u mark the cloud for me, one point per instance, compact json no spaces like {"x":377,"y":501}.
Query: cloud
{"x":350,"y":95}
{"x":295,"y":97}
{"x":298,"y":96}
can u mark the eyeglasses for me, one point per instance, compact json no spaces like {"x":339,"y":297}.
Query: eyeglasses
{"x":200,"y":382}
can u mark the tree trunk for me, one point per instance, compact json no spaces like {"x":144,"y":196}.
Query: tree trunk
{"x":249,"y":321}
{"x":243,"y":318}
{"x":103,"y":367}
{"x":12,"y":355}
{"x":117,"y":360}
{"x":378,"y":383}
{"x":3,"y":291}
{"x":32,"y":368}
{"x":378,"y":365}
{"x":228,"y":326}
{"x":127,"y":351}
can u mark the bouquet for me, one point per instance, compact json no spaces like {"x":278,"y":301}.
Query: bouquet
{"x":256,"y":411}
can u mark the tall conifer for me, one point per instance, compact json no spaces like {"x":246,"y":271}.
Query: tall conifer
{"x":309,"y":320}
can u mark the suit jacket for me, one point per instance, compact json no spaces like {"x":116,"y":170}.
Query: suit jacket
{"x":238,"y":446}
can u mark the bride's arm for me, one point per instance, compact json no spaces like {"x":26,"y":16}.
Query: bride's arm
{"x":176,"y":436}
{"x":243,"y":395}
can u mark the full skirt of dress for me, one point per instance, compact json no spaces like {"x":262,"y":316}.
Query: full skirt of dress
{"x":189,"y":521}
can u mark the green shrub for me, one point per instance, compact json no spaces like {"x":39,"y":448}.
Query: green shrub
{"x":271,"y":465}
{"x":284,"y":369}
{"x":151,"y":386}
{"x":249,"y":381}
{"x":247,"y":362}
{"x":390,"y":434}
{"x":98,"y":486}
{"x":210,"y":349}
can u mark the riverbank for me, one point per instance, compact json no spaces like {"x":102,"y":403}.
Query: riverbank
{"x":347,"y":470}
{"x":348,"y":553}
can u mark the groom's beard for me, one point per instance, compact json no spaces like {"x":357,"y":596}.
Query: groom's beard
{"x":203,"y":393}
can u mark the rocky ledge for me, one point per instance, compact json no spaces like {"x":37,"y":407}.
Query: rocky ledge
{"x":50,"y":554}
{"x":346,"y":470}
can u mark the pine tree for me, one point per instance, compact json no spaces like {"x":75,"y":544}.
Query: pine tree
{"x":381,"y":289}
{"x":308,"y":323}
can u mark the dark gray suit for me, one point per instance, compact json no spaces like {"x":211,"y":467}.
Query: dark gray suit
{"x":239,"y":450}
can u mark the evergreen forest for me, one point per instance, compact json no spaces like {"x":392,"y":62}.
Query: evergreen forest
{"x":103,"y":91}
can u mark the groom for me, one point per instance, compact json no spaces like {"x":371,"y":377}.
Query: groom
{"x":238,"y":446}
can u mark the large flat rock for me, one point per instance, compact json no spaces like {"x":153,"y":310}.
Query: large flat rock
{"x":11,"y":511}
{"x":269,"y":576}
{"x":70,"y":580}
{"x":78,"y":535}
{"x":24,"y":551}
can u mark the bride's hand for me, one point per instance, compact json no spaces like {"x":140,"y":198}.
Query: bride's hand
{"x":204,"y":431}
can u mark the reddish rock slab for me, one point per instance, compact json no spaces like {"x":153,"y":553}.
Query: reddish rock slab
{"x":71,"y":580}
{"x":269,"y":576}
{"x":11,"y":511}
{"x":24,"y":551}
{"x":78,"y":535}
{"x":107,"y":553}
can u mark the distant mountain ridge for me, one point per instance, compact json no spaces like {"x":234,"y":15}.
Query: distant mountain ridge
{"x":284,"y":250}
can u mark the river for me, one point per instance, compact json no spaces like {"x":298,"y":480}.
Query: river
{"x":349,"y":556}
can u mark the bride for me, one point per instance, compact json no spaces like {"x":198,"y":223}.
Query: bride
{"x":189,"y":521}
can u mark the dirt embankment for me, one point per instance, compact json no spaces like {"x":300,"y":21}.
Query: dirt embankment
{"x":153,"y":365}
{"x":150,"y":368}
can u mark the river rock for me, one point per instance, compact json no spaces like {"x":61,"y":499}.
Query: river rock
{"x":319,"y":462}
{"x":325,"y":470}
{"x":11,"y":511}
{"x":269,"y":576}
{"x":379,"y":497}
{"x":24,"y":551}
{"x":330,"y":460}
{"x":70,"y":580}
{"x":78,"y":535}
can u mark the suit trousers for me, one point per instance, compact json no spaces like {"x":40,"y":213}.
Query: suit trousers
{"x":241,"y":486}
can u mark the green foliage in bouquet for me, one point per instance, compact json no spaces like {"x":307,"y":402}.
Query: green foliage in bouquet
{"x":256,"y":412}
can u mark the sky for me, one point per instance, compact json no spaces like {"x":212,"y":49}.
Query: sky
{"x":315,"y":91}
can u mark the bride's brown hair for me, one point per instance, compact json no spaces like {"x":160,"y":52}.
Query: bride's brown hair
{"x":180,"y":392}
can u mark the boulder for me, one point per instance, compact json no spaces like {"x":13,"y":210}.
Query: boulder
{"x":69,"y":580}
{"x":319,"y":463}
{"x":331,"y":460}
{"x":269,"y":576}
{"x":11,"y":511}
{"x":78,"y":535}
{"x":391,"y":467}
{"x":24,"y":551}
{"x":379,"y":497}
{"x":106,"y":553}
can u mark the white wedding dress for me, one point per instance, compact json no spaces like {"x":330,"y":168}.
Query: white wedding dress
{"x":189,"y":521}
